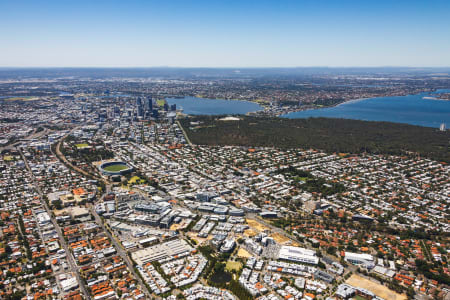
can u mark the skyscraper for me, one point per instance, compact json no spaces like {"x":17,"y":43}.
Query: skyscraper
{"x":138,"y":102}
{"x":139,"y":107}
{"x":148,"y":104}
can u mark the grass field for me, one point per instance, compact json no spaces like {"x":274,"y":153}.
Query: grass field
{"x":233,"y":265}
{"x":22,"y":99}
{"x":135,"y":179}
{"x":81,"y":145}
{"x":115,"y":168}
{"x":160,"y":102}
{"x":376,"y":288}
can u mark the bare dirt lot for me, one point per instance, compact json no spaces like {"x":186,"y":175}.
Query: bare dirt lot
{"x":255,"y":225}
{"x":280,"y":239}
{"x":243,"y":253}
{"x":377,"y":289}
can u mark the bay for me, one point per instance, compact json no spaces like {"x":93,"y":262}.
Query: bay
{"x":411,"y":109}
{"x":204,"y":106}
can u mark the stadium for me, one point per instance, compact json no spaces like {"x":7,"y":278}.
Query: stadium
{"x":115,"y":168}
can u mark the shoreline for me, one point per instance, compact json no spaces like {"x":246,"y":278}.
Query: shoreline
{"x":265,"y":110}
{"x":362,"y":99}
{"x":330,"y":106}
{"x":262,"y":108}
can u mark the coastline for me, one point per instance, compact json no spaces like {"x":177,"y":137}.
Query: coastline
{"x":367,"y":98}
{"x":330,"y":106}
{"x":261,"y":107}
{"x":286,"y":112}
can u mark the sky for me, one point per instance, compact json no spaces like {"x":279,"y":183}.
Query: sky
{"x":227,"y":33}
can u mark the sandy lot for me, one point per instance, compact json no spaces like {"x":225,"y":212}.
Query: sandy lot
{"x":174,"y":226}
{"x":377,"y":289}
{"x":280,"y":239}
{"x":243,"y":253}
{"x":255,"y":225}
{"x":250,"y":232}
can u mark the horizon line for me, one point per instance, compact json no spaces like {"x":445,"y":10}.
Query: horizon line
{"x":218,"y":67}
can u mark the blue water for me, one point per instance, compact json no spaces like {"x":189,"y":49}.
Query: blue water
{"x":412,"y":109}
{"x":202,"y":106}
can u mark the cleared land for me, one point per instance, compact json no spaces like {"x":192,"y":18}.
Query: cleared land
{"x":243,"y":253}
{"x":250,"y":233}
{"x":377,"y":289}
{"x":255,"y":225}
{"x":331,"y":135}
{"x":115,"y":168}
{"x":281,"y":239}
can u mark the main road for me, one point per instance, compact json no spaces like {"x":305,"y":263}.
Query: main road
{"x":64,"y":160}
{"x":97,"y":218}
{"x":69,"y":255}
{"x":118,"y":247}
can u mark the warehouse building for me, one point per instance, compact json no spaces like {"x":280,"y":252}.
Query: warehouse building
{"x":298,"y":254}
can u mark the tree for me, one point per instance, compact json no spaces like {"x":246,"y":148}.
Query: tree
{"x":331,"y":250}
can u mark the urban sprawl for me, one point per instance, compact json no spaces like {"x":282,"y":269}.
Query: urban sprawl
{"x":103,"y":196}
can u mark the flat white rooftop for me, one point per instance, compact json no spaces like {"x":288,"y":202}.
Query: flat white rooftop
{"x":169,"y":249}
{"x":298,"y":254}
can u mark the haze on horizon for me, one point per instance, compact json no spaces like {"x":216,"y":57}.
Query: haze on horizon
{"x":224,"y":34}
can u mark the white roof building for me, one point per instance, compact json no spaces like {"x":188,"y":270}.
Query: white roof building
{"x":298,"y":254}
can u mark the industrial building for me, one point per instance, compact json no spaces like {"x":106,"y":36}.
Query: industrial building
{"x":162,"y":252}
{"x":298,"y":254}
{"x":365,"y":260}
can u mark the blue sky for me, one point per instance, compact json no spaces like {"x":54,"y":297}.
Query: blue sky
{"x":131,"y":33}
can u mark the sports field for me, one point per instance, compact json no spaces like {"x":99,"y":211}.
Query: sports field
{"x":79,"y":146}
{"x":115,"y":168}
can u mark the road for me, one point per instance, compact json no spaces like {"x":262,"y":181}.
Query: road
{"x":72,"y":265}
{"x":99,"y":221}
{"x":68,"y":163}
{"x":184,"y":133}
{"x":33,"y":135}
{"x":118,"y":247}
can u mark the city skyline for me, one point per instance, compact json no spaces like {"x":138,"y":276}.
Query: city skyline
{"x":232,"y":35}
